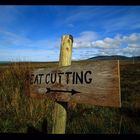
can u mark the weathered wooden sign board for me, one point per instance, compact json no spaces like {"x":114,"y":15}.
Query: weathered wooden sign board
{"x":89,"y":82}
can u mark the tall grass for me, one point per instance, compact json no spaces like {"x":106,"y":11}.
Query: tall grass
{"x":17,"y":111}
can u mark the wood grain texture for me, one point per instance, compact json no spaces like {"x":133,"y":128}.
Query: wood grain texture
{"x":104,"y":90}
{"x":60,"y":114}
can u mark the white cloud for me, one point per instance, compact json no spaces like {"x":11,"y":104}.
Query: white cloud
{"x":85,"y":39}
{"x":131,"y":51}
{"x":135,"y":46}
{"x":106,"y":43}
{"x":119,"y":45}
{"x":133,"y":38}
{"x":86,"y":45}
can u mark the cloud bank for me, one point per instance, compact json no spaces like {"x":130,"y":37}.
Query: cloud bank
{"x":86,"y":45}
{"x":128,"y":45}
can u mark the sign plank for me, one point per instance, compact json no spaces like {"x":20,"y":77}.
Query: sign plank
{"x":89,"y":82}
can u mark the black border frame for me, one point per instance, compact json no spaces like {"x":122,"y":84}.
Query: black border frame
{"x":69,"y":2}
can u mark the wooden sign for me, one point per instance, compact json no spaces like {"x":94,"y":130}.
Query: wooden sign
{"x":89,"y":82}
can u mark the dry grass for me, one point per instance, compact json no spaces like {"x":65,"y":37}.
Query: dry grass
{"x":17,"y":112}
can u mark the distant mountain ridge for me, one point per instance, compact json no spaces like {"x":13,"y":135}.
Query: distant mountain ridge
{"x":114,"y":57}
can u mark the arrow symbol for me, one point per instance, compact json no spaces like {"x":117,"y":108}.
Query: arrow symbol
{"x":72,"y":91}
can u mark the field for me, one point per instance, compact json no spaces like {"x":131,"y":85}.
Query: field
{"x":20,"y":114}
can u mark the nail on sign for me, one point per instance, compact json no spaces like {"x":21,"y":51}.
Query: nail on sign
{"x":89,"y":82}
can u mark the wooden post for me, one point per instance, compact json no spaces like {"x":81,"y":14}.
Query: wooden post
{"x":60,"y":114}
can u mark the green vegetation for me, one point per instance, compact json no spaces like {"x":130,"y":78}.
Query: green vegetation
{"x":18,"y":112}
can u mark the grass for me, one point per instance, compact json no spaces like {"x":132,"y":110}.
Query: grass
{"x":18,"y":112}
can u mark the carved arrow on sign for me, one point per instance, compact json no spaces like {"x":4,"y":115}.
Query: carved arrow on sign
{"x":72,"y":91}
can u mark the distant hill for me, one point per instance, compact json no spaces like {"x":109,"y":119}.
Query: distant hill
{"x":5,"y":62}
{"x":114,"y":57}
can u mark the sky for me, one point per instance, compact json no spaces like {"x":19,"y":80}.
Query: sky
{"x":33,"y":33}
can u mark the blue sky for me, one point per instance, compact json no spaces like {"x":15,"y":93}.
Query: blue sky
{"x":33,"y":33}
